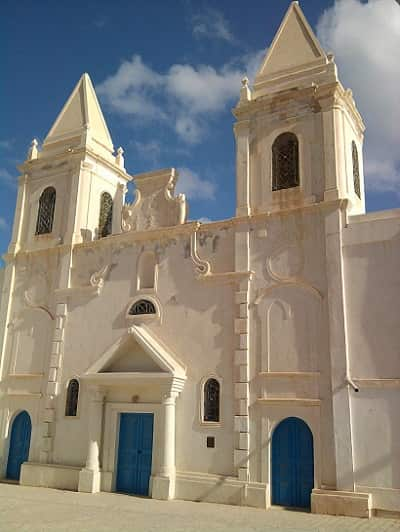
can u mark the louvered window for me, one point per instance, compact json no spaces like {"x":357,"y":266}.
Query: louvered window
{"x":143,"y":306}
{"x":356,"y":169}
{"x":285,"y":162}
{"x":211,"y":400}
{"x":47,"y":203}
{"x":71,"y":405}
{"x":106,"y":212}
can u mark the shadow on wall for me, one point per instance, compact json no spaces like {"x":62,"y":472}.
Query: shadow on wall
{"x":374,"y":353}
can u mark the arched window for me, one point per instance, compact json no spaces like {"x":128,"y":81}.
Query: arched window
{"x":356,"y":169}
{"x":143,"y":306}
{"x":106,"y":212}
{"x":285,"y":162}
{"x":211,"y":400}
{"x":47,"y":203}
{"x":146,"y":270}
{"x":71,"y":404}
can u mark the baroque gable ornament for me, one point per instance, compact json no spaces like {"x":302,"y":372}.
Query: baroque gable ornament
{"x":155,"y":204}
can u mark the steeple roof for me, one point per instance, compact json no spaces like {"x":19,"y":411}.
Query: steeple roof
{"x":294,"y":45}
{"x":81,"y":118}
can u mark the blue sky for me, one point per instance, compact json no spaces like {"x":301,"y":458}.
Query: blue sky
{"x":168,"y":74}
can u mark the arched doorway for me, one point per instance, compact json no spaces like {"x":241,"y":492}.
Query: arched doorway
{"x":19,"y":444}
{"x":292,"y":463}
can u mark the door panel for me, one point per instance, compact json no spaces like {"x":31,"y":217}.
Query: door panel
{"x":19,"y":445}
{"x":292,"y":464}
{"x":135,"y":453}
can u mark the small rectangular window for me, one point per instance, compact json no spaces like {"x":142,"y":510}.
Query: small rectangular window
{"x":210,"y":442}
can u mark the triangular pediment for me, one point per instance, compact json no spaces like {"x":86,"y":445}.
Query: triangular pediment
{"x":294,"y":45}
{"x":137,"y":352}
{"x":81,"y":116}
{"x":131,"y":357}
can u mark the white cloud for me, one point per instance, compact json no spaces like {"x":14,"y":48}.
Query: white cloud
{"x":365,"y":38}
{"x":203,"y":88}
{"x":7,"y":179}
{"x":191,"y":184}
{"x":184,"y":98}
{"x":3,"y":224}
{"x":189,"y":128}
{"x":129,"y":90}
{"x":212,"y":24}
{"x":204,"y":220}
{"x":149,"y":151}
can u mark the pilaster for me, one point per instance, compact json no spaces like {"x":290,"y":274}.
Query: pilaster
{"x":241,"y":357}
{"x":55,"y":366}
{"x":341,"y":400}
{"x":334,"y":149}
{"x":242,"y":132}
{"x":19,"y":215}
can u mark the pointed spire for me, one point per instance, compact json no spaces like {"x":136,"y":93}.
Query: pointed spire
{"x":294,"y":45}
{"x":81,"y":118}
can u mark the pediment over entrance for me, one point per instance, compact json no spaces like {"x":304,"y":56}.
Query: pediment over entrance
{"x":137,"y":355}
{"x":131,"y":357}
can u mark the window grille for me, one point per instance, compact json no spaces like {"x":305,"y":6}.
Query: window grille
{"x":210,"y":442}
{"x":143,"y":306}
{"x":356,"y":169}
{"x":285,"y":162}
{"x":106,"y":212}
{"x":211,"y":400}
{"x":71,"y":405}
{"x":47,"y":203}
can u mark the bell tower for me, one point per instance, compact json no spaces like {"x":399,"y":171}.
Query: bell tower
{"x":64,"y":184}
{"x":298,"y":133}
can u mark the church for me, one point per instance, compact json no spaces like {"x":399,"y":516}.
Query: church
{"x":248,"y":361}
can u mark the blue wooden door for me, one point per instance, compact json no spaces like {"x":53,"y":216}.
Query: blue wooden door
{"x":135,"y":453}
{"x":292,"y":463}
{"x":19,"y":444}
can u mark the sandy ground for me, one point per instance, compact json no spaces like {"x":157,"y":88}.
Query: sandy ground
{"x":42,"y":509}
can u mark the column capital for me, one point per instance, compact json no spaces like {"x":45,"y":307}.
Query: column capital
{"x":173,"y":388}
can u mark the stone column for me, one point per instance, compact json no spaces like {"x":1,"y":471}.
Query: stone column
{"x":163,"y":485}
{"x":89,"y":476}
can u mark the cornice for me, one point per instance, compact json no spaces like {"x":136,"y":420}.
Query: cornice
{"x":184,"y":229}
{"x":72,"y":155}
{"x":226,"y":277}
{"x":274,"y":102}
{"x":293,"y":401}
{"x":316,"y":97}
{"x":139,"y":236}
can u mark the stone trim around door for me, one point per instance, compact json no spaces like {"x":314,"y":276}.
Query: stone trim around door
{"x":111,"y":440}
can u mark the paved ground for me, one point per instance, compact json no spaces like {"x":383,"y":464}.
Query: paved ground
{"x":41,"y":509}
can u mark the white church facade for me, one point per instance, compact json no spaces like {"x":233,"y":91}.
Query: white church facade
{"x":252,"y":361}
